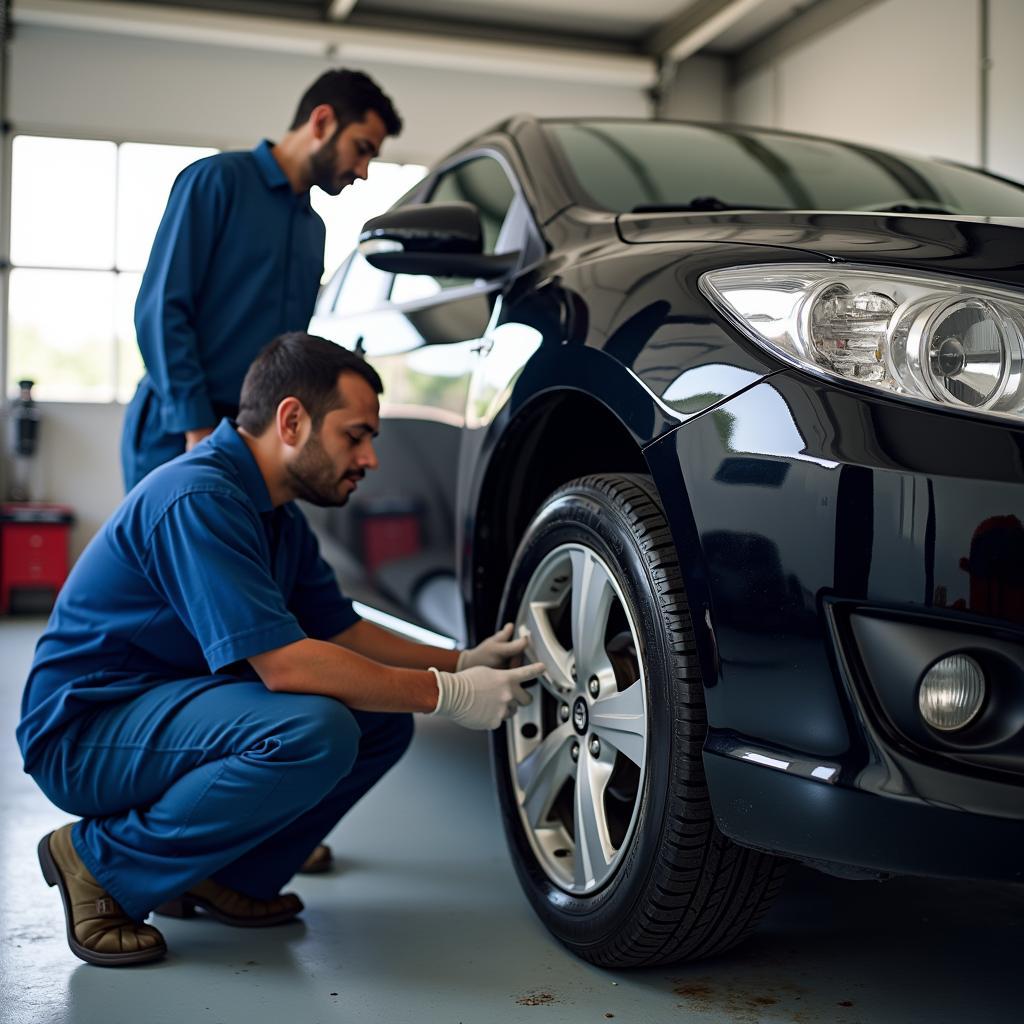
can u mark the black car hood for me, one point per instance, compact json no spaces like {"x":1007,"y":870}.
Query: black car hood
{"x":983,"y":247}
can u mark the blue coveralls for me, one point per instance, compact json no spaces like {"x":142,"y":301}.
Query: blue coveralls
{"x":141,"y":715}
{"x":237,"y":260}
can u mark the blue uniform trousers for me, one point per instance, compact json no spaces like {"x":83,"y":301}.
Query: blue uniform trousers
{"x":144,"y":442}
{"x":212,"y":778}
{"x":144,"y":445}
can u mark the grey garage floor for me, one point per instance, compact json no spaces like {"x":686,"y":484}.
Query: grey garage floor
{"x":424,"y":923}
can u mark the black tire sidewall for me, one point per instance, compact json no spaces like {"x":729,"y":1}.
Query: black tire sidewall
{"x":582,"y":513}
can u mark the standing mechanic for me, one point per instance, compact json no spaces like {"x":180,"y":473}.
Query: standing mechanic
{"x":237,"y":259}
{"x":204,"y":697}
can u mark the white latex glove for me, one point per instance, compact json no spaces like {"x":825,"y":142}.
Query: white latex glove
{"x":495,"y":651}
{"x":481,"y":697}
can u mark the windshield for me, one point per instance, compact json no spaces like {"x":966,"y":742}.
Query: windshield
{"x":625,"y":166}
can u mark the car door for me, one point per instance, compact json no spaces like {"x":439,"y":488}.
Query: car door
{"x":394,"y":545}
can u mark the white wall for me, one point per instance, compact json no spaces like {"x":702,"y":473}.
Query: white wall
{"x":699,"y":91}
{"x":904,"y":74}
{"x":147,"y":89}
{"x":79,"y":463}
{"x":1006,"y":87}
{"x":151,"y":90}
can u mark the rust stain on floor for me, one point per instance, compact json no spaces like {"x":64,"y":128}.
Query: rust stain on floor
{"x":536,"y":999}
{"x":742,"y":1005}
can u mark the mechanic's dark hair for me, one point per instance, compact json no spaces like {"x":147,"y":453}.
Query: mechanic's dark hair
{"x":302,"y":366}
{"x":350,"y":94}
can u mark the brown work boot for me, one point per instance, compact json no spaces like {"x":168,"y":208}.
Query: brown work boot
{"x":231,"y":907}
{"x":319,"y":861}
{"x":99,"y":931}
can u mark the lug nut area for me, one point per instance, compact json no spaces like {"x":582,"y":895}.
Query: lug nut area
{"x":563,"y":713}
{"x":574,"y":751}
{"x":594,"y":747}
{"x":594,"y":686}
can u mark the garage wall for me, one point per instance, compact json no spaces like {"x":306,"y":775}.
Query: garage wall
{"x":154,"y":90}
{"x":1006,"y":87}
{"x":904,"y":74}
{"x":700,"y":90}
{"x":84,"y":83}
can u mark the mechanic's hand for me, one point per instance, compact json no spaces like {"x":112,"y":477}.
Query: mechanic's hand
{"x":193,"y":437}
{"x":495,"y":651}
{"x":481,"y":697}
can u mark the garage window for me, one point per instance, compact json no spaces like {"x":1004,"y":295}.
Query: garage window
{"x":83,"y":216}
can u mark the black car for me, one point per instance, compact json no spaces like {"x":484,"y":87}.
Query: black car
{"x":733,"y":421}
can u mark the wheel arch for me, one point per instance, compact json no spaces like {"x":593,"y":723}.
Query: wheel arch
{"x":525,"y":468}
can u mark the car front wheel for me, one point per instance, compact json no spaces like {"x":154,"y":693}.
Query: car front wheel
{"x":600,"y":778}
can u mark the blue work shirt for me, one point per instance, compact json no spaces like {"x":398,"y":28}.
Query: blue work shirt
{"x":196,"y":570}
{"x":237,"y":260}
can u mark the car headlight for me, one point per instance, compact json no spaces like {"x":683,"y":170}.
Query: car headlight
{"x":953,"y":343}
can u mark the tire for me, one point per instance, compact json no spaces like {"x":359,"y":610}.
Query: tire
{"x":652,"y":880}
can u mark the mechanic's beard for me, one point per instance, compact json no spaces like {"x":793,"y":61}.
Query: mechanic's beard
{"x":313,"y":477}
{"x":322,"y":169}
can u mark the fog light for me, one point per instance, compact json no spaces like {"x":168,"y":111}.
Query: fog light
{"x":952,"y":692}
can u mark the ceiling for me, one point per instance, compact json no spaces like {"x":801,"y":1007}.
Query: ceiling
{"x":639,"y":26}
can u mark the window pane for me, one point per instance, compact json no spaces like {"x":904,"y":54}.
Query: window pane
{"x":483,"y":183}
{"x":621,"y":165}
{"x":130,"y":366}
{"x":364,"y":288}
{"x":145,"y":176}
{"x":62,"y":333}
{"x":62,"y":202}
{"x":345,"y":214}
{"x":410,"y":287}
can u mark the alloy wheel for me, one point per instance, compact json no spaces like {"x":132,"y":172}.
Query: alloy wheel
{"x":577,"y":754}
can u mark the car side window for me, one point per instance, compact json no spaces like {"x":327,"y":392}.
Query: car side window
{"x":362,"y":288}
{"x":483,"y":182}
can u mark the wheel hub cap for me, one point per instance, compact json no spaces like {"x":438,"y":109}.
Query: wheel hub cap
{"x":580,"y":718}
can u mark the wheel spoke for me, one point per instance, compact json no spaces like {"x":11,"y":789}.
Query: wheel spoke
{"x":545,"y":647}
{"x":592,"y":595}
{"x":542,"y":773}
{"x":590,"y":825}
{"x":621,"y":721}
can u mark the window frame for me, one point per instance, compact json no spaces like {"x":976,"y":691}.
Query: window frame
{"x":531,"y":250}
{"x":530,"y":233}
{"x":118,"y":139}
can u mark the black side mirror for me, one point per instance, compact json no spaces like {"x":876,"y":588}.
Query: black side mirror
{"x":440,"y":239}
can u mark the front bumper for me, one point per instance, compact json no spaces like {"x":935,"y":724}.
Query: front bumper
{"x":853,"y":826}
{"x":798,"y":509}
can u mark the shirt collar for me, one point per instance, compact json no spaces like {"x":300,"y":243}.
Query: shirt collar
{"x":270,"y":170}
{"x":230,"y":442}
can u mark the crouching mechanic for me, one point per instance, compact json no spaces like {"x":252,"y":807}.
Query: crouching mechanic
{"x":204,"y":698}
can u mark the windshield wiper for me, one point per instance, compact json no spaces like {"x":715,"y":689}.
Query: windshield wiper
{"x":700,"y":204}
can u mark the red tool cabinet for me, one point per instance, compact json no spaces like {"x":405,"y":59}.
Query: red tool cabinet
{"x":33,"y":553}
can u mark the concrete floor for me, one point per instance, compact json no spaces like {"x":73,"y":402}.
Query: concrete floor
{"x":424,"y":922}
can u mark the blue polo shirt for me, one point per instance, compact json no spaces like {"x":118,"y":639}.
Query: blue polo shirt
{"x":195,"y":571}
{"x":237,"y":260}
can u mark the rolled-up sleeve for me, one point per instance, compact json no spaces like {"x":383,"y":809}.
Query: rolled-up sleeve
{"x":165,"y":311}
{"x":207,"y":554}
